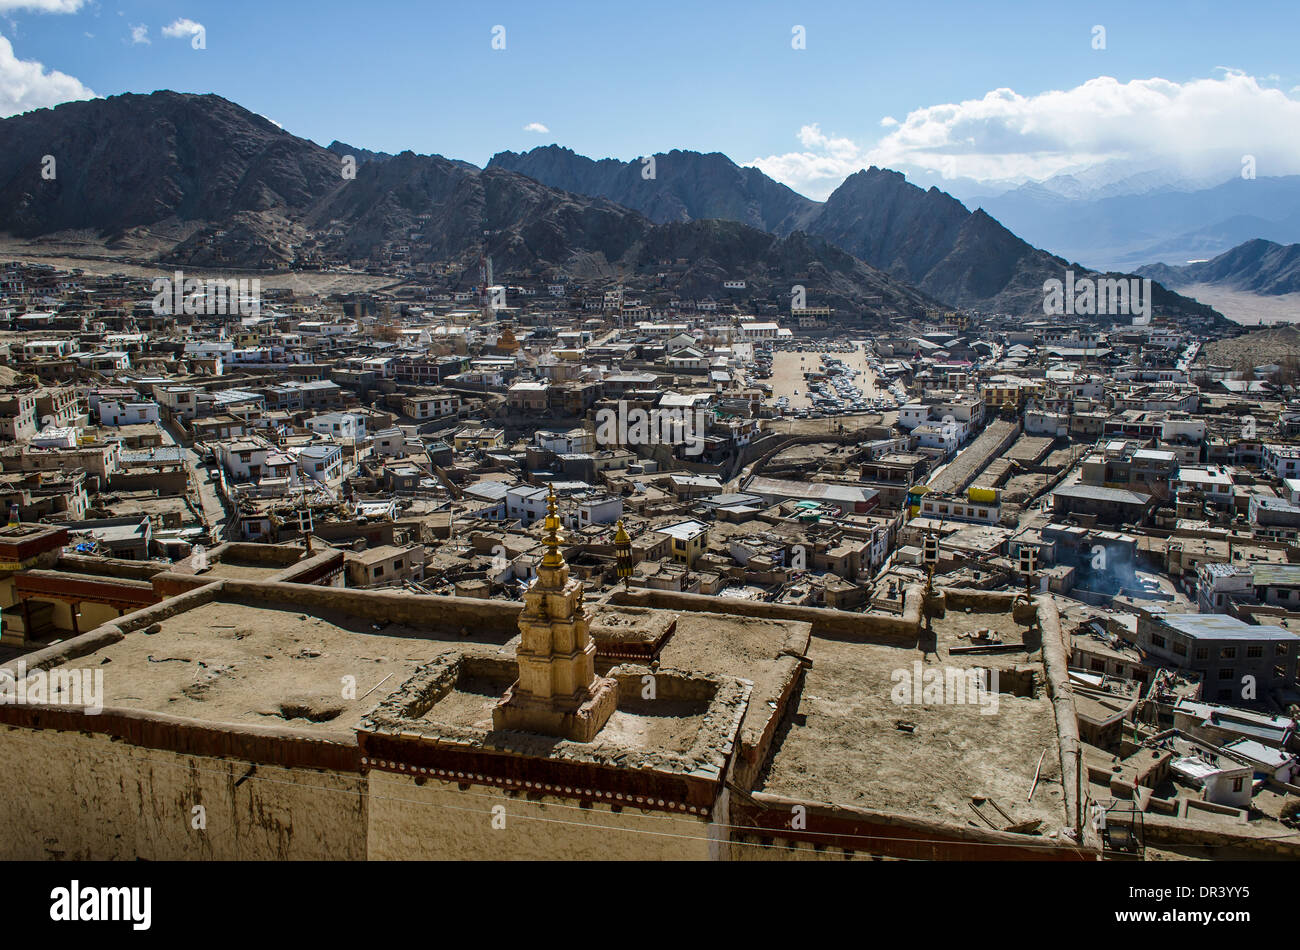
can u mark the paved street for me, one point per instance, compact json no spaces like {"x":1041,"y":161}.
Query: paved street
{"x":215,"y":512}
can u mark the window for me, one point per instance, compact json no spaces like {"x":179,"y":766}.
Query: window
{"x":1180,"y":648}
{"x":1254,"y":651}
{"x":1157,"y":640}
{"x":1202,"y":653}
{"x":1236,"y":783}
{"x":1228,"y":653}
{"x":1225,"y":673}
{"x":1280,"y":650}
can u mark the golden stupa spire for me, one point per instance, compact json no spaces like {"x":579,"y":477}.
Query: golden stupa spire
{"x":623,"y":552}
{"x":552,"y":540}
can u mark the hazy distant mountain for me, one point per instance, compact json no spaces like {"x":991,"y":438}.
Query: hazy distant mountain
{"x":218,"y":186}
{"x":1111,"y":179}
{"x":1209,"y":241}
{"x":1258,"y":267}
{"x":687,"y":186}
{"x":1171,"y":223}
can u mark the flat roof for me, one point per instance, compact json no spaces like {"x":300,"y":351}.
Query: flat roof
{"x":384,"y":552}
{"x":1101,"y":493}
{"x":825,"y":491}
{"x":1280,"y":574}
{"x":1196,"y":767}
{"x":1258,"y":752}
{"x":487,"y":489}
{"x":1202,"y":474}
{"x":851,"y":743}
{"x":684,"y":530}
{"x":239,"y":662}
{"x":1222,"y":627}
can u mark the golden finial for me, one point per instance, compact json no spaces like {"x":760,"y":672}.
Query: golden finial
{"x":552,"y":540}
{"x":621,"y":535}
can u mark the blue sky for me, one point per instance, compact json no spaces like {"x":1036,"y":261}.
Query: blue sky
{"x":623,"y":79}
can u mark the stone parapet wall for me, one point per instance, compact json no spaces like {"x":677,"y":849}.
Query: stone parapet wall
{"x":765,"y":826}
{"x":835,"y":624}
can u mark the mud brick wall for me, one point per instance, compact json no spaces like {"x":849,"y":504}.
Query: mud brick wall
{"x":448,"y":615}
{"x":88,"y":796}
{"x":836,"y":624}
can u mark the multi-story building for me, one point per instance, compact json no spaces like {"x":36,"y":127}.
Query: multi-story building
{"x":348,"y":426}
{"x":424,"y":406}
{"x":17,"y":414}
{"x":1239,"y":663}
{"x":321,"y":462}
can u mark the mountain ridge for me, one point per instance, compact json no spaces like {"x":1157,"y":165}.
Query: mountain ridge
{"x":925,"y":237}
{"x":1257,"y":266}
{"x":669,"y":195}
{"x":241,"y":191}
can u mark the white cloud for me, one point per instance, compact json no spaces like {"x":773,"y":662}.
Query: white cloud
{"x":182,"y":27}
{"x":819,"y":168}
{"x":140,"y":34}
{"x":1200,"y":128}
{"x":42,"y":6}
{"x":536,"y":127}
{"x":27,"y":84}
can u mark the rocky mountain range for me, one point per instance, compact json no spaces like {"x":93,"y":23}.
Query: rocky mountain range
{"x":215,"y":185}
{"x":135,"y":160}
{"x":223,"y":187}
{"x":360,"y":154}
{"x":923,"y":237}
{"x":678,"y":186}
{"x":931,"y":240}
{"x":1257,"y":267}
